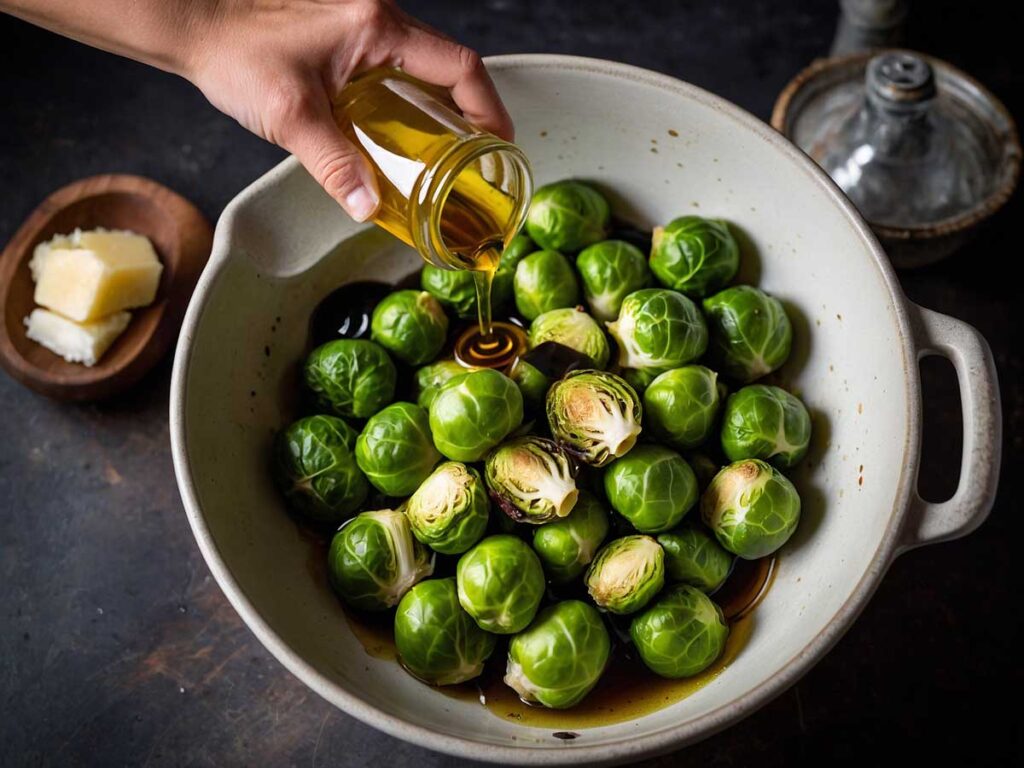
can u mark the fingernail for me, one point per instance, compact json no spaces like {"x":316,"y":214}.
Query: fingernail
{"x":361,"y":203}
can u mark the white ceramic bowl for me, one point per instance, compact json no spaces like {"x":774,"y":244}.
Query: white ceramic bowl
{"x":662,"y":148}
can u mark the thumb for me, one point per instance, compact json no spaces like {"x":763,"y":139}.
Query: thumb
{"x":334,"y":161}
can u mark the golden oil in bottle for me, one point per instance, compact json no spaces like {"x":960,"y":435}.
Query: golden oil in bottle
{"x":450,"y":190}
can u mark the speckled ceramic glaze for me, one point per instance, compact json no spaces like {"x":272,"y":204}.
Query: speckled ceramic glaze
{"x":661,"y":148}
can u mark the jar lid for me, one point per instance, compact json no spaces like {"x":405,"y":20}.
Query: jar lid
{"x":918,"y":146}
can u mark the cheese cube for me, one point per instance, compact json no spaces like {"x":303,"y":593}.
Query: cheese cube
{"x":87,"y":275}
{"x":75,"y":342}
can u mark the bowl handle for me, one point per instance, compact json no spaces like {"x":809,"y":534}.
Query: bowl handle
{"x":928,"y":522}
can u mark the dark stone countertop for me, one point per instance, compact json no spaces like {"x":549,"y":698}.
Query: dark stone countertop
{"x":117,"y":648}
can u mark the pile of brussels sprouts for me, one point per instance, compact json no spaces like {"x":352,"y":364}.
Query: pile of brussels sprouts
{"x":544,"y":505}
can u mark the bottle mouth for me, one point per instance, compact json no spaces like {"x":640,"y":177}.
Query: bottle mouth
{"x":511,"y":176}
{"x":900,"y":82}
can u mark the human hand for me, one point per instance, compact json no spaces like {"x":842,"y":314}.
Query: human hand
{"x":274,"y":66}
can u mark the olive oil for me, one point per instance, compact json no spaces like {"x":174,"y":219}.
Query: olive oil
{"x":499,"y":349}
{"x":451,"y":191}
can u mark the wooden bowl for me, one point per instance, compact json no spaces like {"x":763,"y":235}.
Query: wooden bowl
{"x":182,"y":238}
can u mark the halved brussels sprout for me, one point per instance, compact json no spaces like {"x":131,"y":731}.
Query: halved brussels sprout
{"x":567,"y":546}
{"x":437,"y":641}
{"x":694,"y":255}
{"x":752,"y":508}
{"x":750,"y":332}
{"x":659,"y":328}
{"x":315,"y":468}
{"x":681,"y":634}
{"x":560,"y":657}
{"x":428,"y":380}
{"x":456,"y":288}
{"x":544,"y":281}
{"x":567,"y":216}
{"x":594,"y":415}
{"x":449,"y":511}
{"x":395,"y":449}
{"x":626,"y":574}
{"x":374,"y":560}
{"x":652,"y":487}
{"x":474,"y":412}
{"x":610,"y":271}
{"x":501,"y":583}
{"x":411,"y":325}
{"x":531,"y":479}
{"x":681,"y":406}
{"x":694,"y":557}
{"x":769,"y":423}
{"x":573,"y":328}
{"x":350,"y":377}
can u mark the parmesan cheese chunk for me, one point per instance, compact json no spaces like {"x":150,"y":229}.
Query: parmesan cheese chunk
{"x":87,"y":275}
{"x":75,"y":342}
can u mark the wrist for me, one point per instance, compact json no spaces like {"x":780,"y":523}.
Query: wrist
{"x":199,"y":32}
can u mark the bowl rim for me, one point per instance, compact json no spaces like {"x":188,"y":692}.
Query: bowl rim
{"x":628,"y":747}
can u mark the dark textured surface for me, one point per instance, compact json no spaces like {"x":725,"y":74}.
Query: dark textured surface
{"x":116,"y":647}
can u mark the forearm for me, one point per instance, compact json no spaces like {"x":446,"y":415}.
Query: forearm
{"x":275,"y":65}
{"x":162,"y":33}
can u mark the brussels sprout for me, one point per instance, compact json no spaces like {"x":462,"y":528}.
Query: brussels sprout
{"x":626,"y":574}
{"x":395,"y":450}
{"x":474,"y":412}
{"x":437,"y":641}
{"x":750,"y":332}
{"x":652,"y":487}
{"x":449,"y":511}
{"x":374,"y":560}
{"x":751,"y":507}
{"x":544,"y":281}
{"x":594,"y":415}
{"x":681,"y":406}
{"x":694,"y":255}
{"x":572,"y":328}
{"x":411,"y":325}
{"x":639,"y":379}
{"x":428,"y":380}
{"x":518,"y":248}
{"x":681,"y":634}
{"x":453,"y":288}
{"x":567,"y":216}
{"x":533,"y":385}
{"x":560,"y":657}
{"x":769,"y":423}
{"x":456,"y":288}
{"x":350,"y":377}
{"x":315,"y":469}
{"x":503,"y":285}
{"x":501,"y":583}
{"x":567,"y":546}
{"x":658,"y":328}
{"x":692,"y":556}
{"x":704,"y":467}
{"x":610,"y":271}
{"x":531,"y":479}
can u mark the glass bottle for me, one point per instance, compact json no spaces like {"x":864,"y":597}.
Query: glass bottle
{"x":903,"y":156}
{"x":449,"y":189}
